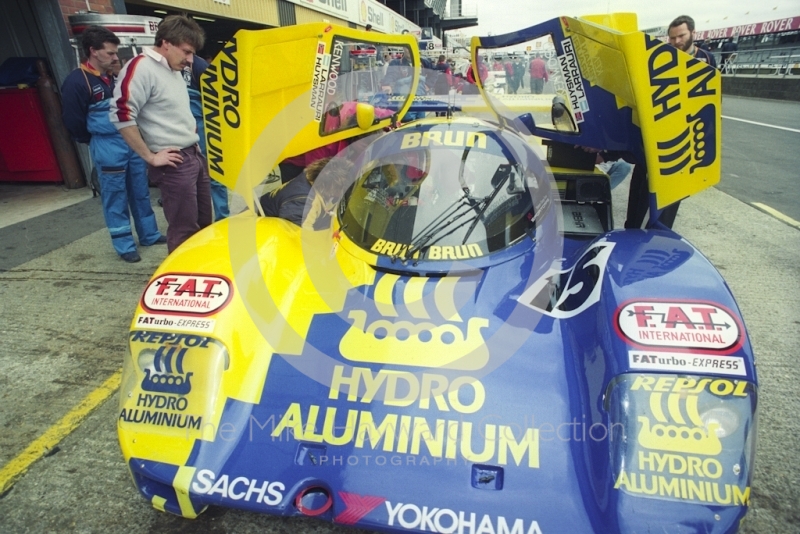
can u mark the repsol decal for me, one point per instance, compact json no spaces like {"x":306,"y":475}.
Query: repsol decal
{"x":679,"y":454}
{"x":171,"y":338}
{"x":664,"y":79}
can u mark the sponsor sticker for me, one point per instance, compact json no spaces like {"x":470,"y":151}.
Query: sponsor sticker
{"x":206,"y":482}
{"x":356,"y":507}
{"x":571,"y":70}
{"x":187,"y":294}
{"x":434,"y":519}
{"x":564,"y":293}
{"x":689,"y":436}
{"x":687,"y":325}
{"x":686,"y":363}
{"x":170,"y":366}
{"x":171,"y":322}
{"x":375,"y":420}
{"x":319,"y":82}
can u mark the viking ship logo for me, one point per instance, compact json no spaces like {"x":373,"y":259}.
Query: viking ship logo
{"x":673,"y":432}
{"x":168,"y":375}
{"x":697,"y":143}
{"x":421,"y":341}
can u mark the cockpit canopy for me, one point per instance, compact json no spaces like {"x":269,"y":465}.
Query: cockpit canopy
{"x":447,"y":191}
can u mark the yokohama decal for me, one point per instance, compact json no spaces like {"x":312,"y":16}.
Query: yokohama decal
{"x":356,"y":507}
{"x":679,"y":325}
{"x":187,"y":294}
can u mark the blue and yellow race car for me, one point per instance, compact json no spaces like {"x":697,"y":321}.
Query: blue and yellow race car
{"x":457,"y":340}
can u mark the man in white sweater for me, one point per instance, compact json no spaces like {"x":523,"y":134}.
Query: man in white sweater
{"x":150,"y":108}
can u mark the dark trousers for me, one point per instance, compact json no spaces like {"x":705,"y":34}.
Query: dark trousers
{"x":185,"y":194}
{"x":289,"y":171}
{"x":639,"y":200}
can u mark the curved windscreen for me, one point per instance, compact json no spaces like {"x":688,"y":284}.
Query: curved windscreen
{"x":444,"y":193}
{"x":358,"y":71}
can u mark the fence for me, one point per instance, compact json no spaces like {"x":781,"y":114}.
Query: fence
{"x":765,"y":62}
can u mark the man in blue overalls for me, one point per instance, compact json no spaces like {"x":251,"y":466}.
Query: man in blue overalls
{"x":191,"y":75}
{"x":123,"y":176}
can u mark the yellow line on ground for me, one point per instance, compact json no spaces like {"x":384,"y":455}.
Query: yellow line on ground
{"x":778,"y":215}
{"x":16,"y":467}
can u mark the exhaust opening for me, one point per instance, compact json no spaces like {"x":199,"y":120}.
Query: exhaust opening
{"x":313,"y":501}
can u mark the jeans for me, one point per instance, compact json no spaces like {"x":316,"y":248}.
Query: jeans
{"x":123,"y":192}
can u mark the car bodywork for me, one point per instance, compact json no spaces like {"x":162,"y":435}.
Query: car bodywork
{"x":450,"y":354}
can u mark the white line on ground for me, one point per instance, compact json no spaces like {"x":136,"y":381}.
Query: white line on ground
{"x":778,"y":215}
{"x":762,"y":124}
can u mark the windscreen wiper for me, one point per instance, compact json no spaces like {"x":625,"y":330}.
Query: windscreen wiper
{"x":499,"y":179}
{"x":454,"y":213}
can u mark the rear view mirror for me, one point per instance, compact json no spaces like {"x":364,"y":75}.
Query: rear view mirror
{"x":525,"y":123}
{"x":365,"y":115}
{"x":562,"y":117}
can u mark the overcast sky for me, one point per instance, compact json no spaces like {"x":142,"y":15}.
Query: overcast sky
{"x":503,"y":16}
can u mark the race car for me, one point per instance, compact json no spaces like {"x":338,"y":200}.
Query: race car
{"x":459,"y":340}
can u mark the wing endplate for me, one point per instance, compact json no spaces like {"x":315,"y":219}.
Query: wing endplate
{"x":264,"y":97}
{"x":638,"y":94}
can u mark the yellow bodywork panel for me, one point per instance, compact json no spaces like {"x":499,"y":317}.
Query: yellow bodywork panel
{"x":266,"y":94}
{"x":677,"y":102}
{"x":271,"y":305}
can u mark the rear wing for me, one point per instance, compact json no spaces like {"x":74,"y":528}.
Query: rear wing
{"x":268,"y":95}
{"x":627,"y":91}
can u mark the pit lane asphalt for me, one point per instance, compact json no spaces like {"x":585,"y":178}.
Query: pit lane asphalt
{"x":760,"y":163}
{"x":63,"y":322}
